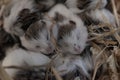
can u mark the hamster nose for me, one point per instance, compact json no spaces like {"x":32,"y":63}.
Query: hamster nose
{"x":50,"y":49}
{"x":77,"y":49}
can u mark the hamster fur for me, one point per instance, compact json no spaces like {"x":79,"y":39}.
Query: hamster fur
{"x":21,"y":58}
{"x":37,"y":37}
{"x":73,"y":32}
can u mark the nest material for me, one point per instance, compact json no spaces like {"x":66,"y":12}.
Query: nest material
{"x":105,"y":47}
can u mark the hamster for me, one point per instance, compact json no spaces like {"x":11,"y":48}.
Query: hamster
{"x":37,"y":37}
{"x":22,"y":58}
{"x":69,"y":30}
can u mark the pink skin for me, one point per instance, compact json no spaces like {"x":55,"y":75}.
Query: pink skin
{"x":49,"y":49}
{"x":77,"y":48}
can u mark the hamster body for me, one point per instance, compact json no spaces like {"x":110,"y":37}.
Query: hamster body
{"x":21,"y":58}
{"x":69,"y":31}
{"x":45,"y":5}
{"x":65,"y":64}
{"x":71,"y":37}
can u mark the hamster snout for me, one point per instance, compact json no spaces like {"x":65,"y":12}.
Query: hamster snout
{"x":49,"y":49}
{"x":77,"y":48}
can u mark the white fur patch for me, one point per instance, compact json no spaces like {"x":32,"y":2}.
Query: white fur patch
{"x":20,"y":58}
{"x":102,"y":15}
{"x":71,"y":3}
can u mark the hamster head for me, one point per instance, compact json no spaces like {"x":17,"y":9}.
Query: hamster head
{"x":70,"y":33}
{"x":37,"y":38}
{"x":70,"y":39}
{"x":11,"y":15}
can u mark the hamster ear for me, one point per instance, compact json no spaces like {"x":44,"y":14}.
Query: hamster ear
{"x":58,"y":17}
{"x":42,"y":25}
{"x":84,"y":4}
{"x":35,"y":26}
{"x":24,"y":13}
{"x":72,"y":23}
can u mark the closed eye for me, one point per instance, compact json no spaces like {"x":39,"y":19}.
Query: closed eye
{"x":37,"y":46}
{"x":7,"y":12}
{"x":60,"y":37}
{"x":47,"y":37}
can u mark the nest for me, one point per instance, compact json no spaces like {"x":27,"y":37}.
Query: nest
{"x":105,"y":42}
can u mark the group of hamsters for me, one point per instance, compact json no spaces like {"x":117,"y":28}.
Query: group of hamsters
{"x":40,"y":32}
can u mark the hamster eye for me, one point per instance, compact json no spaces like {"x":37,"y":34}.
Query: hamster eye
{"x":74,"y":44}
{"x":7,"y":12}
{"x":60,"y":37}
{"x":37,"y":46}
{"x":47,"y":37}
